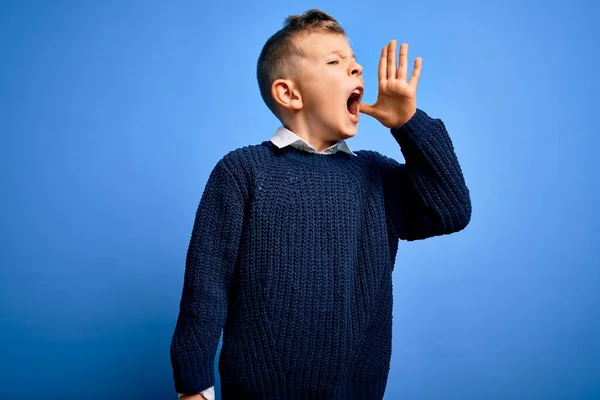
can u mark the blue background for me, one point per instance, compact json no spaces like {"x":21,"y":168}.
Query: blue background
{"x":113,"y":113}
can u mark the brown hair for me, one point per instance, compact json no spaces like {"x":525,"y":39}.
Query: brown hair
{"x":281,"y":54}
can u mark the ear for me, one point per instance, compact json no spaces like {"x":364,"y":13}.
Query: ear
{"x":286,"y":95}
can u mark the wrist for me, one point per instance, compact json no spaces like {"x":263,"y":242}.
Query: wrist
{"x":406,"y":118}
{"x":196,"y":396}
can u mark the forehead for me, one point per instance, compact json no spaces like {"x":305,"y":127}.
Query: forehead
{"x":320,"y":44}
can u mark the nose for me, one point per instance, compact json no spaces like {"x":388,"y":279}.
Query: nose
{"x":356,"y":69}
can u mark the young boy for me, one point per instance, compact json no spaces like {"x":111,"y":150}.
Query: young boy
{"x":295,"y":239}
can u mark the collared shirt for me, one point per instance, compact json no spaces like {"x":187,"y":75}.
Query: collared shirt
{"x":284,"y":137}
{"x":208,"y":394}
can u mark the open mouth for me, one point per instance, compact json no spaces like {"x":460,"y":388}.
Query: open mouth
{"x":353,"y":103}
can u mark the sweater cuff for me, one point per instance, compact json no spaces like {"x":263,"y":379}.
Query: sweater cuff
{"x":195,"y":380}
{"x":420,"y":122}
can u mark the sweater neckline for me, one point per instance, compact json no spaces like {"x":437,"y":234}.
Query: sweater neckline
{"x":306,"y":157}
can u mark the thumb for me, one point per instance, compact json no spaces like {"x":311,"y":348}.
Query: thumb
{"x":367,"y":109}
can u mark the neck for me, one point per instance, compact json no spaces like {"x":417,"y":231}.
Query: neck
{"x":316,"y":137}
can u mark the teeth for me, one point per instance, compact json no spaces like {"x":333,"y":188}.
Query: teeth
{"x":356,"y":91}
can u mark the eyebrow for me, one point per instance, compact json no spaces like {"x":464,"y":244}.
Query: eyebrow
{"x":342,"y":54}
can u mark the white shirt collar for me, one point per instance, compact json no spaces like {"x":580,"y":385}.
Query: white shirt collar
{"x":284,"y":137}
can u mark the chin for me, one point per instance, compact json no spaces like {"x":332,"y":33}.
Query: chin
{"x":348,"y":133}
{"x":349,"y":130}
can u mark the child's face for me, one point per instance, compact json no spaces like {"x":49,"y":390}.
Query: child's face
{"x":328,"y":78}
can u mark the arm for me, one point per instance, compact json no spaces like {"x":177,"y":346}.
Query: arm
{"x":427,"y":196}
{"x":210,"y":264}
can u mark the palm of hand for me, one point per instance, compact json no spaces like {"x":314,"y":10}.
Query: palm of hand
{"x":397,"y":98}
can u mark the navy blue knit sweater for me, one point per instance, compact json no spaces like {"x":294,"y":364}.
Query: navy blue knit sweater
{"x":292,"y":254}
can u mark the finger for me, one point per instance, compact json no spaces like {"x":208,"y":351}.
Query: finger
{"x":416,"y":74}
{"x":366,"y":109}
{"x":403,"y":62}
{"x":391,"y":60}
{"x":382,"y":64}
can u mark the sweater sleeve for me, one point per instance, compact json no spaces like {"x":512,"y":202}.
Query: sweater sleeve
{"x":210,"y":264}
{"x":427,"y":196}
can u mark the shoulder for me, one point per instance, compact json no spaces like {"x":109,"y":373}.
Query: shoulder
{"x":240,"y":166}
{"x":243,"y":158}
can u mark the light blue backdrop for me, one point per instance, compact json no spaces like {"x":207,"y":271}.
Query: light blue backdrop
{"x":112,"y":114}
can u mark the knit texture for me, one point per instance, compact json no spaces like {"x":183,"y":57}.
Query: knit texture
{"x":292,"y":255}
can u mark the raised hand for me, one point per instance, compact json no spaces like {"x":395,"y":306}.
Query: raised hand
{"x":397,"y":98}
